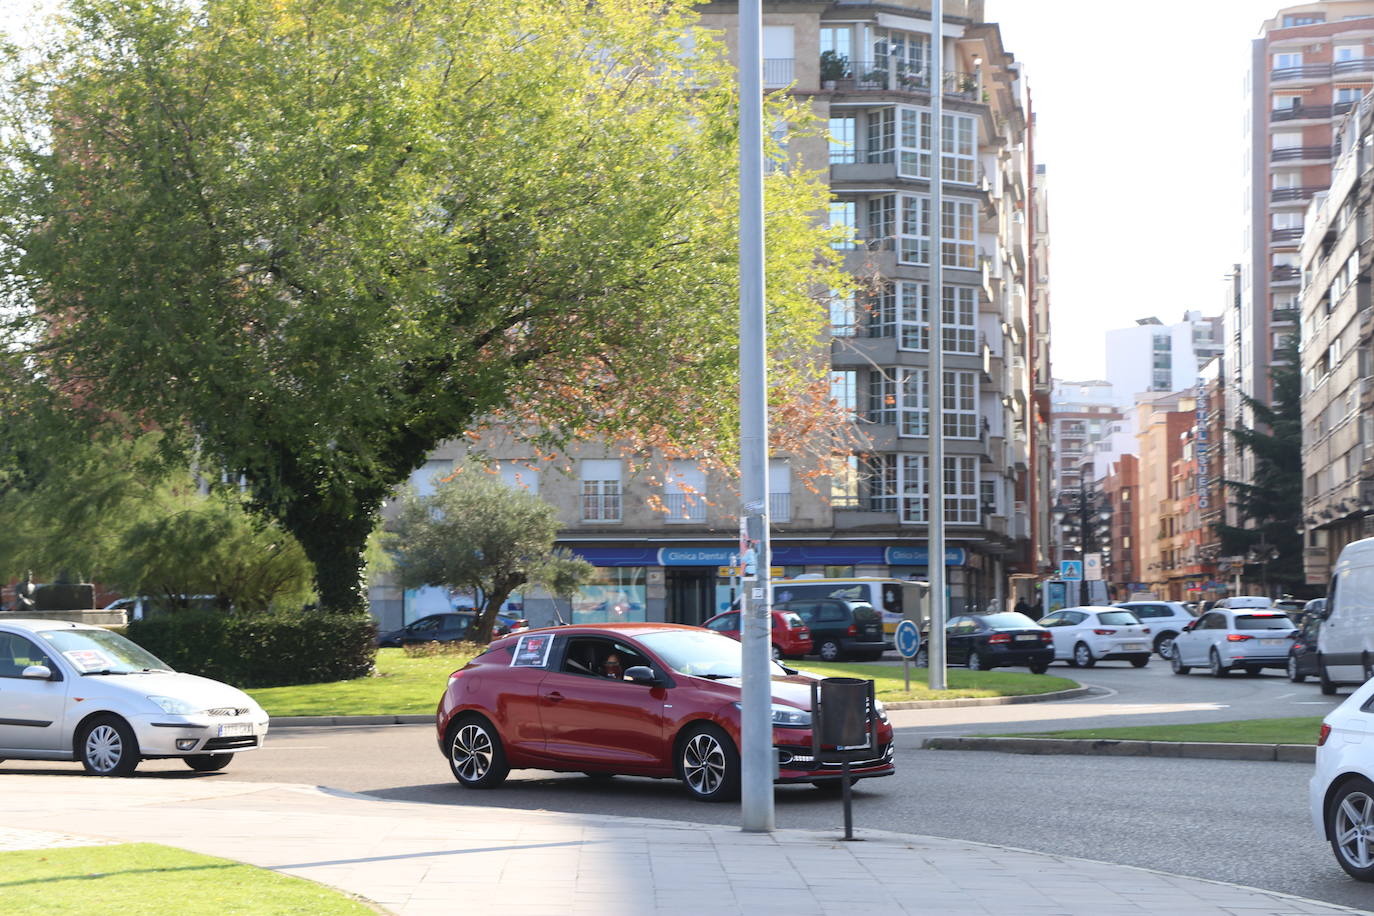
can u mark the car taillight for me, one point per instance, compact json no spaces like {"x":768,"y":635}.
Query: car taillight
{"x":1323,"y":734}
{"x":1145,"y":630}
{"x":853,"y":630}
{"x":999,"y":638}
{"x":1238,"y":637}
{"x":1047,"y":636}
{"x":1104,"y":632}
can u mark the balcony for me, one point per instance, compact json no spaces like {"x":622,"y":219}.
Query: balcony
{"x":685,"y":507}
{"x":1350,"y":67}
{"x":891,"y":76}
{"x":777,"y":72}
{"x":1305,"y":72}
{"x":1296,"y":153}
{"x":1306,"y":193}
{"x":780,"y":507}
{"x":1310,"y":112}
{"x":1285,"y":316}
{"x":1285,"y":275}
{"x":1290,"y":234}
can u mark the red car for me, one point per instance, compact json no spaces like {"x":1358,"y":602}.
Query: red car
{"x":791,"y":638}
{"x":555,"y":700}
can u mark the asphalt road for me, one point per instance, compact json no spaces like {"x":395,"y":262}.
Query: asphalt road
{"x":1236,"y":821}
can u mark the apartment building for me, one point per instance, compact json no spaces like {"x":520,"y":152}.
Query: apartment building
{"x":662,"y":534}
{"x":1161,"y":421}
{"x":1041,"y":413}
{"x":1337,"y":342}
{"x":1152,"y":356}
{"x":1121,"y":563}
{"x":1310,"y":65}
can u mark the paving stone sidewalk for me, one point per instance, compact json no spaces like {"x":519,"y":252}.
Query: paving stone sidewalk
{"x":424,"y":859}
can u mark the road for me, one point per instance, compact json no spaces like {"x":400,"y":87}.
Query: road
{"x":1236,"y":821}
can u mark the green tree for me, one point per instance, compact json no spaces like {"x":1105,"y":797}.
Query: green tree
{"x":477,"y":533}
{"x":320,"y":237}
{"x":1270,"y":505}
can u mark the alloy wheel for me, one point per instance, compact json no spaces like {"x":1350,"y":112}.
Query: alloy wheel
{"x":703,"y":764}
{"x":1353,"y":829}
{"x":472,"y":752}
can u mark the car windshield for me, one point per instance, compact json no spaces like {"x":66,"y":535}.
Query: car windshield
{"x":1119,"y":618}
{"x":1263,"y":622}
{"x":1007,"y":621}
{"x":102,"y":652}
{"x":702,"y":653}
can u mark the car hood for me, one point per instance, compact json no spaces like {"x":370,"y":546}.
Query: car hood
{"x":201,"y":692}
{"x":794,"y":690}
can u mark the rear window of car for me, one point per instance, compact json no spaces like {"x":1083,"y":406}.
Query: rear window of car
{"x":792,"y":619}
{"x":864,"y":613}
{"x":1120,"y":618}
{"x":1008,"y":620}
{"x":1263,"y":622}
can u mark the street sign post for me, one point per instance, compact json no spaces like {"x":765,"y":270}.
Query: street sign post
{"x":908,"y":641}
{"x":1071,"y":569}
{"x":1092,"y":567}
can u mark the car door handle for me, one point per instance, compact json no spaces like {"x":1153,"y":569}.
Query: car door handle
{"x":554,"y":697}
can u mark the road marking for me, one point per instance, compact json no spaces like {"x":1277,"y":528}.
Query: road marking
{"x":1284,"y":696}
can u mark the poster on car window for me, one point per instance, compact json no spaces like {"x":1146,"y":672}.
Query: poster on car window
{"x":88,"y":659}
{"x":532,"y":651}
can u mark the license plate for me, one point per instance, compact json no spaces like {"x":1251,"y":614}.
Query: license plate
{"x":236,"y":729}
{"x":1273,"y":642}
{"x":1133,"y":647}
{"x":1031,"y":638}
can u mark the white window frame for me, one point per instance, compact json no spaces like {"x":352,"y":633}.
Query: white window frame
{"x":960,"y":391}
{"x":601,"y":489}
{"x":913,"y":315}
{"x":779,"y":490}
{"x":959,"y":246}
{"x":960,"y":318}
{"x":960,"y":160}
{"x":913,"y":229}
{"x":844,"y":389}
{"x":913,"y":403}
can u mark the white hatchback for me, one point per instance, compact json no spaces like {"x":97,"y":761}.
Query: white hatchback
{"x":1084,"y":636}
{"x":1235,"y":637}
{"x":70,"y":691}
{"x":1341,"y":790}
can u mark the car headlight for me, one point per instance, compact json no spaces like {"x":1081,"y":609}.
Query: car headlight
{"x":174,"y":706}
{"x":880,"y":709}
{"x":786,"y":716}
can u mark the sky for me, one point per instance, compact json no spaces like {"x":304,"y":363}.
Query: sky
{"x":1139,"y":111}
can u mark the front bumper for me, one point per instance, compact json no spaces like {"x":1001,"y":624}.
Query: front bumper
{"x":164,"y":735}
{"x":797,"y":764}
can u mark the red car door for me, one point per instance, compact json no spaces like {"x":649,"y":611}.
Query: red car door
{"x":589,"y":718}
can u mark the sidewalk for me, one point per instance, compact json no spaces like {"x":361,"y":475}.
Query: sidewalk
{"x":417,"y":859}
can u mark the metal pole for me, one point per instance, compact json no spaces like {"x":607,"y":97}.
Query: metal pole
{"x":935,"y":377}
{"x":756,"y":727}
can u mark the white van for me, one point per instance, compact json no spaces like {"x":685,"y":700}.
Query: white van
{"x":1345,"y":644}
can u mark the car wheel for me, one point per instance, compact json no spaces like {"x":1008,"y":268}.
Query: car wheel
{"x":1176,"y":661}
{"x":777,"y":653}
{"x":829,"y":650}
{"x":208,"y":763}
{"x":1328,"y":686}
{"x":708,"y":763}
{"x":1083,"y":656}
{"x":1214,"y":665}
{"x":1350,"y":824}
{"x":1164,"y":644}
{"x":1140,"y":661}
{"x":922,"y":659}
{"x":599,"y":777}
{"x":1294,"y":675}
{"x":475,"y":754}
{"x":975,"y":661}
{"x":1039,"y":669}
{"x":107,"y":747}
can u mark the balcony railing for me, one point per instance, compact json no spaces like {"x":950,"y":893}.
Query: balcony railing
{"x":685,"y":507}
{"x":892,"y":75}
{"x":1307,"y":192}
{"x":1291,"y":153}
{"x":1358,"y":65}
{"x":1285,"y":235}
{"x":1283,"y":315}
{"x":1285,"y":275}
{"x":1305,"y":72}
{"x":780,"y":507}
{"x":1310,"y":112}
{"x":777,"y":72}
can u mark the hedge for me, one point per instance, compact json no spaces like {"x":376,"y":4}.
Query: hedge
{"x":274,"y":649}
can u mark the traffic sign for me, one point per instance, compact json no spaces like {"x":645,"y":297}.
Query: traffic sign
{"x":908,"y":639}
{"x":1071,"y":569}
{"x":1092,"y":567}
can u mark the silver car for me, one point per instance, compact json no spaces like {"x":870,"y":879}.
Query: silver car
{"x":1250,"y":638}
{"x":1166,"y":619}
{"x":70,"y":691}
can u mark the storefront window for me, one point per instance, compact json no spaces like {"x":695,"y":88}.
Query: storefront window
{"x":616,"y":594}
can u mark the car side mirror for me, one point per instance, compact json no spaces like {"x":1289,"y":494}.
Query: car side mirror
{"x":641,"y":674}
{"x":790,"y":671}
{"x":38,"y":672}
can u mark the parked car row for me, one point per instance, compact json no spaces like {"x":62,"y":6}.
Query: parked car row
{"x":449,"y":627}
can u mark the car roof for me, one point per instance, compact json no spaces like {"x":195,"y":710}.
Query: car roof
{"x":630,"y":630}
{"x":38,"y":625}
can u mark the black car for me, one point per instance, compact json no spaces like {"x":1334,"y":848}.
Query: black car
{"x":840,"y":629}
{"x":1302,"y":655}
{"x":1001,"y":640}
{"x":451,"y":627}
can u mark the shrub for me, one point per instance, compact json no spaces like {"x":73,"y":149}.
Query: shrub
{"x":432,"y":649}
{"x":274,"y":649}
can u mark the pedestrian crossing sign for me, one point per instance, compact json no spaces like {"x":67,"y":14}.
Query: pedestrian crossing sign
{"x":1071,"y":569}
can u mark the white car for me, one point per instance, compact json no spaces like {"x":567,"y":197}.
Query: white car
{"x":70,"y":691}
{"x":1084,"y":636}
{"x":1341,"y":791}
{"x":1166,"y":619}
{"x":1235,"y":637}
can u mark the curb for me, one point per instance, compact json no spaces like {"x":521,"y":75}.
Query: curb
{"x":308,"y":721}
{"x":1282,"y":753}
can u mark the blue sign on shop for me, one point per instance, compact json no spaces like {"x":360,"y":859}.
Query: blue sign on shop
{"x":920,"y":556}
{"x":694,"y":556}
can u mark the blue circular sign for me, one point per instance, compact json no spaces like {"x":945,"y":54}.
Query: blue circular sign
{"x":908,"y":639}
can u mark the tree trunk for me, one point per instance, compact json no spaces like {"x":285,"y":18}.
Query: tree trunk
{"x":494,"y":599}
{"x":336,"y":546}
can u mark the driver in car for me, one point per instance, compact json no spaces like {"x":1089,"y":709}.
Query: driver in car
{"x":613,"y":668}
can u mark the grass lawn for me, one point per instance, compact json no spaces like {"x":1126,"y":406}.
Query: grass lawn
{"x":1299,"y":730}
{"x":406,"y":686}
{"x":146,"y":878}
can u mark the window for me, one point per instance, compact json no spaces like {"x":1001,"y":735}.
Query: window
{"x":959,"y":317}
{"x":684,"y":492}
{"x":843,"y":215}
{"x":1348,"y":95}
{"x":961,"y":405}
{"x":842,"y":134}
{"x":914,"y":488}
{"x":777,"y":55}
{"x":882,"y":313}
{"x":520,"y":475}
{"x":779,"y":490}
{"x":844,"y":484}
{"x":1284,"y":102}
{"x":913,"y":243}
{"x":843,"y":318}
{"x":838,"y":40}
{"x":881,"y":135}
{"x":960,"y":149}
{"x":958,"y":248}
{"x":1287,"y":139}
{"x":601,"y":490}
{"x":905,"y":54}
{"x":17,"y":653}
{"x":882,"y":216}
{"x":961,"y":489}
{"x":915,"y":140}
{"x":844,"y":384}
{"x":914,"y":407}
{"x":882,"y":483}
{"x":1297,"y":19}
{"x":914,"y":316}
{"x":1347,"y":52}
{"x":882,"y":398}
{"x":434,"y":470}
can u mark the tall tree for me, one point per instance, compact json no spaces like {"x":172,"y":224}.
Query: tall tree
{"x":1270,"y":504}
{"x":319,"y":237}
{"x":477,"y":533}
